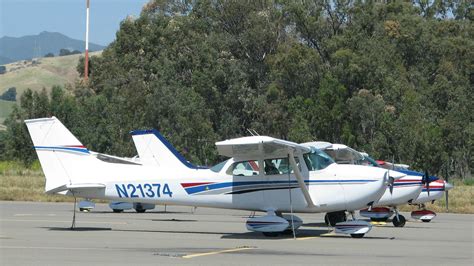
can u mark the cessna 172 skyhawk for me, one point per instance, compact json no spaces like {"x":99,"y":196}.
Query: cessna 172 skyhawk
{"x":404,"y":190}
{"x":431,"y":192}
{"x":312,"y":182}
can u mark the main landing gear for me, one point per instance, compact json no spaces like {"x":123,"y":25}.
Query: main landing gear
{"x":423,"y":214}
{"x":356,"y":228}
{"x":332,"y":218}
{"x":274,"y":223}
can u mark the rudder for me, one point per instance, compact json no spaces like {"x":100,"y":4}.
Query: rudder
{"x":56,"y":148}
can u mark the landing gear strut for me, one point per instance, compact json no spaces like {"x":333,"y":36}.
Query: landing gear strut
{"x":398,"y":220}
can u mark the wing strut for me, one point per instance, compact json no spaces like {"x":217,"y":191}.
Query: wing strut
{"x":300,"y":179}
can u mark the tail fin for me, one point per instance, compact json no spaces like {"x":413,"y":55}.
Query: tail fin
{"x":59,"y":151}
{"x":153,"y":148}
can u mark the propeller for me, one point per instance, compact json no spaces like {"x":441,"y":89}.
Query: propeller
{"x":390,"y":180}
{"x":425,"y":180}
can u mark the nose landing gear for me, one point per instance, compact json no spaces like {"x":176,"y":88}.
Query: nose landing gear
{"x":398,"y":220}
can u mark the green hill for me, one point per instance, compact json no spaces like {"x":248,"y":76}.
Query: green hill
{"x":33,"y":46}
{"x":36,"y":75}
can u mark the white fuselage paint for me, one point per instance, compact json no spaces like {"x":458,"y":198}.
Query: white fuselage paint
{"x":405,"y":189}
{"x":337,"y":187}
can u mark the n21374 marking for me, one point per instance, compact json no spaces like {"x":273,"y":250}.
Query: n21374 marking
{"x":146,"y":190}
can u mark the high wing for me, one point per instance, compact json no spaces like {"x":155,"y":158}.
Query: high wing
{"x":263,"y":147}
{"x":256,"y":147}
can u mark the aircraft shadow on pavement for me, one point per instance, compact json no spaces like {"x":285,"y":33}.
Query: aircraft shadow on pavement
{"x":173,"y":220}
{"x":168,"y":231}
{"x":134,"y":212}
{"x":79,"y":229}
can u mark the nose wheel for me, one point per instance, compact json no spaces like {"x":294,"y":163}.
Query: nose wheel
{"x":398,"y":220}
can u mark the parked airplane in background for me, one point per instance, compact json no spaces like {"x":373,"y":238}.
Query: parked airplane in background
{"x":290,"y":178}
{"x":431,"y":192}
{"x":404,"y":190}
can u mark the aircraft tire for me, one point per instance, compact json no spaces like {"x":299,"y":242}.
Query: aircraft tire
{"x":117,"y":210}
{"x":332,"y":218}
{"x":357,"y":235}
{"x":426,"y":220}
{"x":140,"y":210}
{"x":399,"y":223}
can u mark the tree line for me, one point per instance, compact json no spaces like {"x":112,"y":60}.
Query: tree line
{"x":391,"y":78}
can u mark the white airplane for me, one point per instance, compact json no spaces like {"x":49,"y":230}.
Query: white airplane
{"x":432,"y":191}
{"x":307,"y":181}
{"x":404,"y":190}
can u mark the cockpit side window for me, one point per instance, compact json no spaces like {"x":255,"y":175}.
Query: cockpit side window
{"x":317,"y":160}
{"x":278,"y":166}
{"x":244,"y":168}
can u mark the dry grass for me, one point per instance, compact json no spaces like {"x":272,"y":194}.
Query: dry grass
{"x":18,"y":183}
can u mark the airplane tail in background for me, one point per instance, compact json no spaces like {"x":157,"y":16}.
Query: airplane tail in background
{"x":61,"y":154}
{"x":153,"y":148}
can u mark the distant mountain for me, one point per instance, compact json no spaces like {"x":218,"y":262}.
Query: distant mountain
{"x":27,"y":47}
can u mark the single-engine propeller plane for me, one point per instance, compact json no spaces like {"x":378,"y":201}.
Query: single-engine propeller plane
{"x":263,"y":174}
{"x":403,"y":191}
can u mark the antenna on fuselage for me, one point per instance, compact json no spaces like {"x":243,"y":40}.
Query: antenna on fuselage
{"x":253,"y":132}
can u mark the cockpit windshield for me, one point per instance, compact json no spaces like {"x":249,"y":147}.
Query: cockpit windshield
{"x":317,"y":160}
{"x":345,"y":156}
{"x":370,"y":162}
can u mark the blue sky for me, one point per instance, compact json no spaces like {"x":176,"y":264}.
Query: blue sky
{"x":30,"y":17}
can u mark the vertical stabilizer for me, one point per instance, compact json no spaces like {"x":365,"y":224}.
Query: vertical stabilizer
{"x":153,"y":148}
{"x":59,"y":151}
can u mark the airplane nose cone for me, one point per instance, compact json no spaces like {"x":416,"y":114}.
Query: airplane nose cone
{"x":447,"y":186}
{"x":396,"y":175}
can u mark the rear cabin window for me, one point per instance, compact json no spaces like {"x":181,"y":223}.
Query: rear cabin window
{"x":244,"y":168}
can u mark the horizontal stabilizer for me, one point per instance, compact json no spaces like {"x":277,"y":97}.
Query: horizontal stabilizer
{"x":76,"y":187}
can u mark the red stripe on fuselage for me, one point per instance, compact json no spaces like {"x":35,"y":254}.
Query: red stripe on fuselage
{"x":74,"y":146}
{"x":186,"y":185}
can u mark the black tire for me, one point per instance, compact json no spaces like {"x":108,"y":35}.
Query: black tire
{"x":82,"y":209}
{"x":140,"y":210}
{"x":332,"y":218}
{"x":117,"y":210}
{"x":399,"y":221}
{"x":271,"y":234}
{"x":326,"y":219}
{"x":357,"y":235}
{"x":426,"y":220}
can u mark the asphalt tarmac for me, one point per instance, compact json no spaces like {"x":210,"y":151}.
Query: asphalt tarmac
{"x":39,"y":234}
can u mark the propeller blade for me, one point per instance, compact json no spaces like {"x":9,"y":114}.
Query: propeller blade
{"x":390,"y":184}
